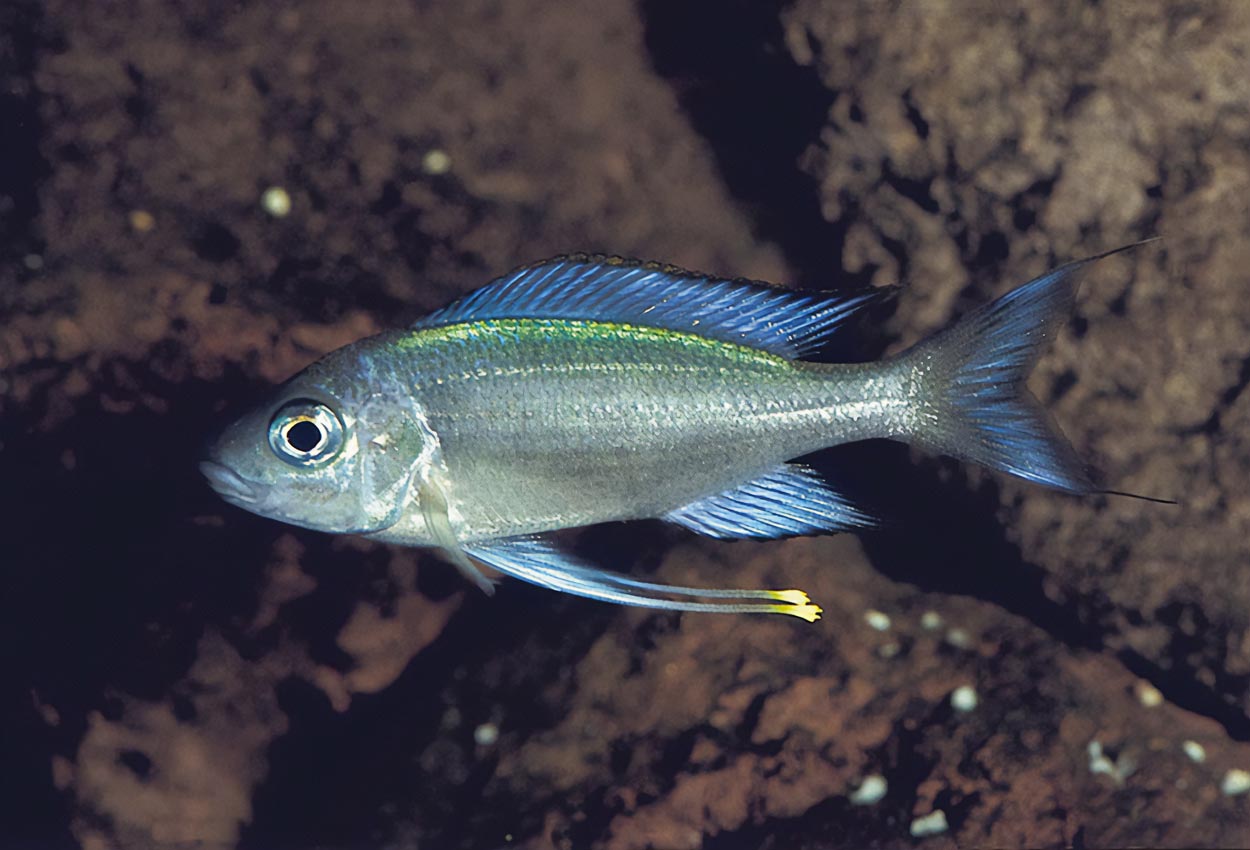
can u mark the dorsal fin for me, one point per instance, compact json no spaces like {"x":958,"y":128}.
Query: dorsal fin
{"x":612,"y":289}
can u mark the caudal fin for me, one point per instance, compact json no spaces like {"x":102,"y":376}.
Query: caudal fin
{"x":973,"y":403}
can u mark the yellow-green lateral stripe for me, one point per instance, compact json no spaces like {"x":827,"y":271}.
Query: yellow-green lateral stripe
{"x":581,"y":331}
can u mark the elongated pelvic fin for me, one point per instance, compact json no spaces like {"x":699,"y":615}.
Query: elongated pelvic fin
{"x":536,"y":561}
{"x":612,"y":289}
{"x":789,"y":500}
{"x":438,"y":524}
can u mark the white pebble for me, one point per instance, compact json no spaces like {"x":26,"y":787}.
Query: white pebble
{"x":1119,"y":770}
{"x":33,"y":262}
{"x":889,"y":650}
{"x":931,"y":621}
{"x":436,"y":162}
{"x":276,"y":201}
{"x":870,"y":791}
{"x":1195,"y":751}
{"x":1236,"y":781}
{"x":142,"y":221}
{"x":1148,"y":695}
{"x":958,"y":638}
{"x":877,"y":620}
{"x":933,"y":823}
{"x":964,"y":698}
{"x":486,"y":734}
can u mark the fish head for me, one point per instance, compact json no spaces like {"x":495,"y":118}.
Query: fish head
{"x":322,"y":455}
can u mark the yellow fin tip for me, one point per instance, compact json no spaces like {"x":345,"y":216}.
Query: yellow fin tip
{"x":794,"y":597}
{"x":811,"y":613}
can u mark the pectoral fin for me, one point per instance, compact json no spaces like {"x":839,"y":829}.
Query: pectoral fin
{"x":536,"y":561}
{"x":438,"y":524}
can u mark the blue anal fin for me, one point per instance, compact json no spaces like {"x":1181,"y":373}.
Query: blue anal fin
{"x":788,"y":501}
{"x":534,"y":560}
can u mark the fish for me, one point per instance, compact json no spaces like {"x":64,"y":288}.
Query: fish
{"x":589,"y":389}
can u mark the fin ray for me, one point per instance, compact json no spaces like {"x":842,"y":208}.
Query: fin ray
{"x":788,"y":501}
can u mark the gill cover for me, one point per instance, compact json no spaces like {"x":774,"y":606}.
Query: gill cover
{"x":397,"y":471}
{"x":395,"y":445}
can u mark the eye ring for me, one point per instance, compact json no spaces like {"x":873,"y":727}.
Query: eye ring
{"x":305,"y":433}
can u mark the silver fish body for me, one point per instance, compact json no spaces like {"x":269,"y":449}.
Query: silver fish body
{"x":588,"y":390}
{"x":617,"y":423}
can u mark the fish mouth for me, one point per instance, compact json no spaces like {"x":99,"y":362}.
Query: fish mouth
{"x":229,"y":484}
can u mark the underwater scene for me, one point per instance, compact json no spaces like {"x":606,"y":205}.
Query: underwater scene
{"x":414,"y":415}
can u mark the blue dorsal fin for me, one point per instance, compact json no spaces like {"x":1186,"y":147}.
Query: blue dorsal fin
{"x":612,"y":289}
{"x":789,"y":500}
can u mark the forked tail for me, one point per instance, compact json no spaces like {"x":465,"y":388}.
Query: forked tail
{"x":972,"y":402}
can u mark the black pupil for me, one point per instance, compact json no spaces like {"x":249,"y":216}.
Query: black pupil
{"x":303,"y":436}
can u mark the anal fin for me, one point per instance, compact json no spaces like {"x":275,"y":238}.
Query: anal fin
{"x":789,"y":500}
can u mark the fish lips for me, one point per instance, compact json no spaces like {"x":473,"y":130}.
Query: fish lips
{"x":231,"y":486}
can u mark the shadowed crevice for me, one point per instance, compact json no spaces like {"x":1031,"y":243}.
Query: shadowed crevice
{"x":31,"y":810}
{"x":108,"y":575}
{"x":22,"y":166}
{"x":728,"y":64}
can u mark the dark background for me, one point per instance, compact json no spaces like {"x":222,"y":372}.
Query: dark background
{"x":175,"y":671}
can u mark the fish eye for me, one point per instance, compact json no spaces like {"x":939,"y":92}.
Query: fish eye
{"x":305,"y":433}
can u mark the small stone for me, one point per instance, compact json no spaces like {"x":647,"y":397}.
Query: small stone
{"x":958,"y":638}
{"x":931,"y":621}
{"x":1118,"y":770}
{"x":32,"y":262}
{"x":964,"y":698}
{"x":142,"y":221}
{"x":436,"y":162}
{"x":889,"y":650}
{"x":933,"y":823}
{"x":870,"y":791}
{"x":276,"y":201}
{"x":486,"y":734}
{"x":1148,"y":695}
{"x":1236,"y":782}
{"x":877,"y":620}
{"x":1196,"y":752}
